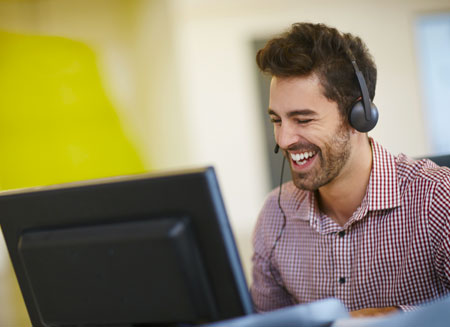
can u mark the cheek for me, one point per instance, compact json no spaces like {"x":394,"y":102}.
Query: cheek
{"x":316,"y":135}
{"x":275,"y":132}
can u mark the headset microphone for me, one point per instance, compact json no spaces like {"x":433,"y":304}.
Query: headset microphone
{"x":280,"y":234}
{"x":276,"y":149}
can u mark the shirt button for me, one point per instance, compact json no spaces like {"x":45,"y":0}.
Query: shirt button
{"x":341,"y":233}
{"x":342,"y":280}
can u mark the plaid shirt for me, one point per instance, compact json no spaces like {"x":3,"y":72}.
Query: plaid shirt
{"x":394,"y":250}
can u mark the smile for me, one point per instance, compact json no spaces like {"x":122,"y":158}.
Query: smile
{"x":302,"y":158}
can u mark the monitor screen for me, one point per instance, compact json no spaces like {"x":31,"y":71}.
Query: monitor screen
{"x":125,"y":251}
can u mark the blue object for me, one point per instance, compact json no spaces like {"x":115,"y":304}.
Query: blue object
{"x":316,"y":314}
{"x":435,"y":314}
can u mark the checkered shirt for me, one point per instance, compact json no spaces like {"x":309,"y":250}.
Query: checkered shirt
{"x":393,"y":251}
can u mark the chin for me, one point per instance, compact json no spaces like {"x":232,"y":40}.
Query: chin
{"x":302,"y":185}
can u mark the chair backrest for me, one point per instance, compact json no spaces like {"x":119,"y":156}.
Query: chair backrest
{"x":442,"y":160}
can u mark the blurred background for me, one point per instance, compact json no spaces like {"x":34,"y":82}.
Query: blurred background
{"x":97,"y":88}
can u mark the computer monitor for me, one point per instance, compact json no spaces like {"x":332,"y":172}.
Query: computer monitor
{"x":144,"y":250}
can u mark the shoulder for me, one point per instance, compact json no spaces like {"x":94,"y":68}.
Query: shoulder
{"x":425,"y":182}
{"x":422,"y":171}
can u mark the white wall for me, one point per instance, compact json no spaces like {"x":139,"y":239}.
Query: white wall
{"x":219,"y":87}
{"x":184,"y":74}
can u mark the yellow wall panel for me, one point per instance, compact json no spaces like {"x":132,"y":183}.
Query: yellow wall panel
{"x":56,"y":122}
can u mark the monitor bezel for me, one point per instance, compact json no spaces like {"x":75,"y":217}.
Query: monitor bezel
{"x":102,"y":201}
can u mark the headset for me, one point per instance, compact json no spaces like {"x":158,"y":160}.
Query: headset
{"x":362,"y":116}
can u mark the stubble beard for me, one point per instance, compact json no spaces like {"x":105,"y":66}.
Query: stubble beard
{"x":332,"y":159}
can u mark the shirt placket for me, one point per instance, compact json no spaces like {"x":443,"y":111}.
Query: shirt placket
{"x":342,"y":265}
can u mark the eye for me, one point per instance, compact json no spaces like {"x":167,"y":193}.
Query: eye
{"x":274,"y":120}
{"x":304,"y":121}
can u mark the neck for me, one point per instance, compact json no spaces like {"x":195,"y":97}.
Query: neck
{"x":340,"y":198}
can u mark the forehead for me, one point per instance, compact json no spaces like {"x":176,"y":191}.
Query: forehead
{"x":311,"y":80}
{"x":297,"y":93}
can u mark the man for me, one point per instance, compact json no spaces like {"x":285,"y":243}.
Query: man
{"x":356,"y":223}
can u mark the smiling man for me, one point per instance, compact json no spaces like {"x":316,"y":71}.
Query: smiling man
{"x":356,"y":223}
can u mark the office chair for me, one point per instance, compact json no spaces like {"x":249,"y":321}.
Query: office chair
{"x":441,"y":160}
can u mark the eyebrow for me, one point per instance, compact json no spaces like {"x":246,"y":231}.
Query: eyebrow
{"x":297,"y":112}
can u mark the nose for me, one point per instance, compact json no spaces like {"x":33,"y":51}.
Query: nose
{"x":286,"y":136}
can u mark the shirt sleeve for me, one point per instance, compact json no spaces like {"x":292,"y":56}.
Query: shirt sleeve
{"x":409,"y":308}
{"x":267,"y":294}
{"x":439,"y":220}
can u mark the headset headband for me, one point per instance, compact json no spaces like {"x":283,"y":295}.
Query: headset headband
{"x":364,"y":91}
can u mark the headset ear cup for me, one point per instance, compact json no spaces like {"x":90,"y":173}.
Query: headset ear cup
{"x":357,"y":117}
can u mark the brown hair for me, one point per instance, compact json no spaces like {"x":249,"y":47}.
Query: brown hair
{"x":317,"y":48}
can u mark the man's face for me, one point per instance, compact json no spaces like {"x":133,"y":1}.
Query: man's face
{"x":309,"y":130}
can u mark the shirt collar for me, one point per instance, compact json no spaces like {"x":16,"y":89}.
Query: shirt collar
{"x":383,"y":191}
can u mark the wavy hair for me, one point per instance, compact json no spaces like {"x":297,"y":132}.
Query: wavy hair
{"x":317,"y":48}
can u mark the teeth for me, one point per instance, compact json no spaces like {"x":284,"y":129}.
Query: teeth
{"x":300,"y":158}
